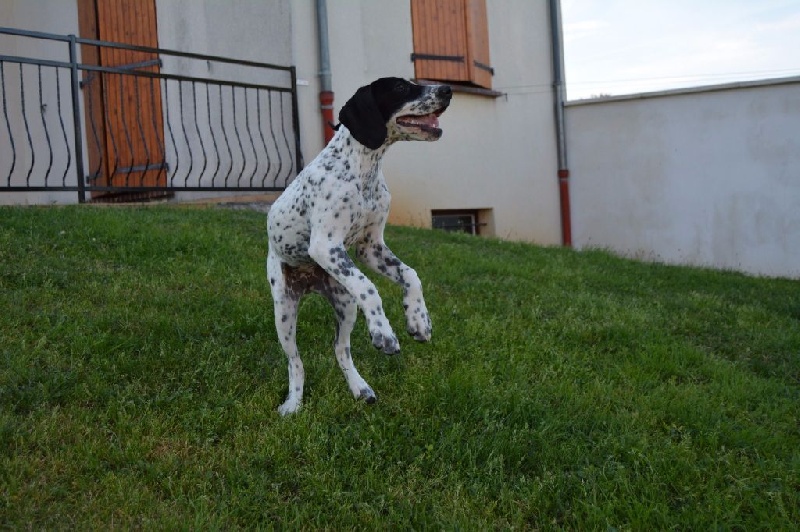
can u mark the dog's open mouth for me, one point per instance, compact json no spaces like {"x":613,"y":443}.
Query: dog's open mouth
{"x":428,"y":123}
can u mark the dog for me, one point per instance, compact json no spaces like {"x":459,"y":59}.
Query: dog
{"x":340,"y":200}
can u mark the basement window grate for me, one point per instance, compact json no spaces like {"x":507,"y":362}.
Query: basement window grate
{"x":460,"y":221}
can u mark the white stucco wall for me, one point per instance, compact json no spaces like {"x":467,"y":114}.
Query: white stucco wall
{"x":706,"y":178}
{"x":241,"y":29}
{"x":306,"y":60}
{"x":253,"y":30}
{"x":250,"y":30}
{"x":368,"y":39}
{"x":496,"y":153}
{"x":47,"y":16}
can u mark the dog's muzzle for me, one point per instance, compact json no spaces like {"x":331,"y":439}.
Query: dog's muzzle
{"x":429,"y":123}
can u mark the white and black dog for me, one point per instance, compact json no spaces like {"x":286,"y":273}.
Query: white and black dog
{"x":338,"y":201}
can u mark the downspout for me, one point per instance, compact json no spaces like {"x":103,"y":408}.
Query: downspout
{"x":557,"y":47}
{"x":325,"y":84}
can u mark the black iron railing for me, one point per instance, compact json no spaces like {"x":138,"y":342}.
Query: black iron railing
{"x":127,"y":122}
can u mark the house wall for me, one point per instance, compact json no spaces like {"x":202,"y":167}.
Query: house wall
{"x":241,"y":29}
{"x":249,"y":30}
{"x":496,"y":153}
{"x":47,"y":16}
{"x":705,"y":177}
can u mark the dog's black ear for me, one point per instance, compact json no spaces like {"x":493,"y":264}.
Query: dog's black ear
{"x":363,"y":118}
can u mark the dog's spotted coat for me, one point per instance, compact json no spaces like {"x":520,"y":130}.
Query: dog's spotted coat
{"x":338,"y":201}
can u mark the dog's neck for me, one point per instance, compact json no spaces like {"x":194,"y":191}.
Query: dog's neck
{"x":370,"y":161}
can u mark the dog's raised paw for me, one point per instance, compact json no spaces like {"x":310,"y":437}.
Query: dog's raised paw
{"x":419,"y":326}
{"x":423,"y":335}
{"x":386,"y":343}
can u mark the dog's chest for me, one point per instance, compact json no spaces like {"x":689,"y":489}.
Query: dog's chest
{"x":341,"y":195}
{"x":351,"y":203}
{"x":370,"y":210}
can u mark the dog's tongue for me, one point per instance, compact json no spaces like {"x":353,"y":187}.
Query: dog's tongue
{"x":430,"y":120}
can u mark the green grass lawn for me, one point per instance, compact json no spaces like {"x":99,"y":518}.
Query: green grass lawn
{"x":140,"y":376}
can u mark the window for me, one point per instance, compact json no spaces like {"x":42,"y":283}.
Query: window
{"x":451,"y":41}
{"x":458,"y":221}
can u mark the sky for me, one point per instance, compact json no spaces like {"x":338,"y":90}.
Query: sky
{"x":615,"y":47}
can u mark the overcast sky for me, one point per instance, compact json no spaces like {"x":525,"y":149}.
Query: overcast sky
{"x":626,"y":46}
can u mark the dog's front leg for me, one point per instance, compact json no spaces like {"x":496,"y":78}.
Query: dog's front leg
{"x":331,"y":255}
{"x":380,"y":258}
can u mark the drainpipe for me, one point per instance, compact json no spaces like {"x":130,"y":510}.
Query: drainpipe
{"x":325,"y":85}
{"x":557,"y":47}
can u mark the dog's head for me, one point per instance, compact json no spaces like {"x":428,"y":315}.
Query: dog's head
{"x":392,"y":109}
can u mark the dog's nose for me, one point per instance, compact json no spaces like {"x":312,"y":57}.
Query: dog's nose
{"x":445,"y":91}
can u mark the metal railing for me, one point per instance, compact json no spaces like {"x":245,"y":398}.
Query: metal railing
{"x":156,"y":122}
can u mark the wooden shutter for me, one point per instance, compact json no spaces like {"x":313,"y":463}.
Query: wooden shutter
{"x":133,"y":104}
{"x":440,"y":40}
{"x":481,"y":71}
{"x":126,"y":143}
{"x":451,"y":41}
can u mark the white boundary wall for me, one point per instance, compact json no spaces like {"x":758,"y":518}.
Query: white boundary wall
{"x":707,"y":177}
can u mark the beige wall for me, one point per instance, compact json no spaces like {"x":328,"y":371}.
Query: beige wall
{"x":249,"y":30}
{"x":361,"y":51}
{"x":496,"y":153}
{"x":306,"y":60}
{"x":48,"y":16}
{"x":241,"y":29}
{"x":253,"y":30}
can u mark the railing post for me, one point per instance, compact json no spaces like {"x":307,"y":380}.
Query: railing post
{"x":76,"y":117}
{"x":296,"y":122}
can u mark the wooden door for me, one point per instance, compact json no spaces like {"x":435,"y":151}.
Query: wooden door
{"x":125,"y":134}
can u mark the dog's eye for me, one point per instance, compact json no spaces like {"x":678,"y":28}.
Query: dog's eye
{"x":401,"y":88}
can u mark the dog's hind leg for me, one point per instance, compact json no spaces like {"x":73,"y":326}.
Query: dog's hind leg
{"x":286,"y":302}
{"x":346,"y":309}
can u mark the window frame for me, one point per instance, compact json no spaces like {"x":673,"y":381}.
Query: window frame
{"x":474,"y":227}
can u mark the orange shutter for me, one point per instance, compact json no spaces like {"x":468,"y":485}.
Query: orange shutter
{"x":451,"y":41}
{"x":478,"y":36}
{"x":134,"y":122}
{"x":440,"y":40}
